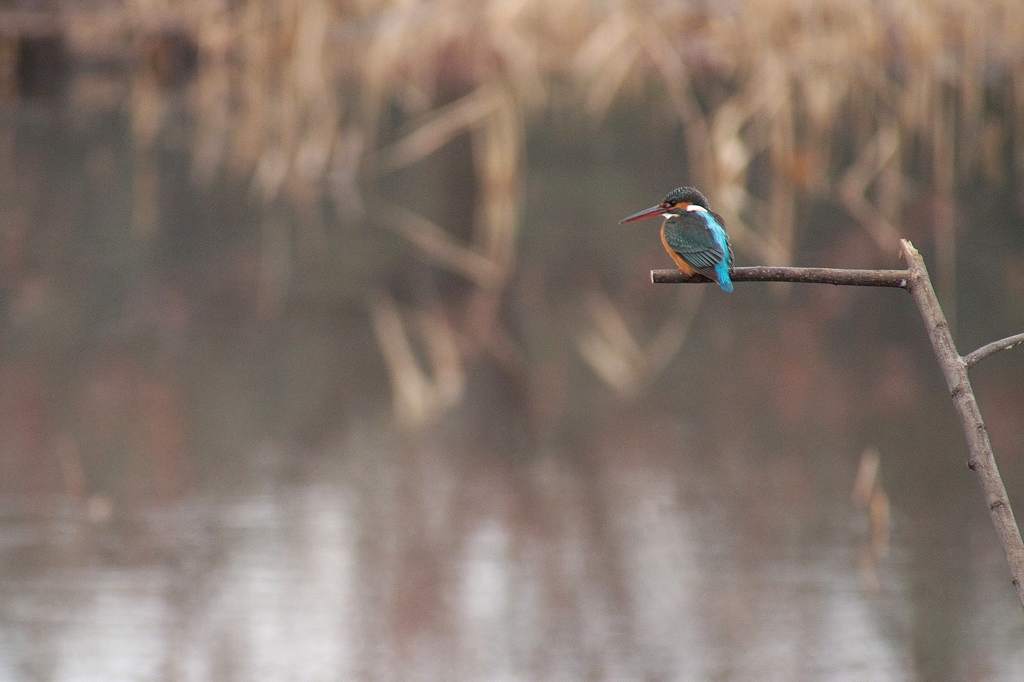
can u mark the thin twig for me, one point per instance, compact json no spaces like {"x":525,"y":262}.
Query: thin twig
{"x":974,"y":357}
{"x":761,"y":273}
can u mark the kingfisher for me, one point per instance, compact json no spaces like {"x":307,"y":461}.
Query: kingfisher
{"x":692,"y":234}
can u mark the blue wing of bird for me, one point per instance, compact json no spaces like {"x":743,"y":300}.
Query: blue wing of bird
{"x":699,"y":238}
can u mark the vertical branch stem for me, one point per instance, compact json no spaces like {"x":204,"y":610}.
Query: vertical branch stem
{"x":981,"y":460}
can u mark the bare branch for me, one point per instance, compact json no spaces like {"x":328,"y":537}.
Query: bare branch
{"x":981,"y":458}
{"x":973,"y":358}
{"x":915,"y":279}
{"x":761,"y":273}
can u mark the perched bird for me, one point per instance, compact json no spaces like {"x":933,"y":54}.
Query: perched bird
{"x":693,"y":236}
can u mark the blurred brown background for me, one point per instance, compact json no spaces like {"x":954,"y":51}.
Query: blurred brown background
{"x":323,"y":357}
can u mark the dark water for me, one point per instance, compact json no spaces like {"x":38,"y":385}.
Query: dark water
{"x":203,"y":478}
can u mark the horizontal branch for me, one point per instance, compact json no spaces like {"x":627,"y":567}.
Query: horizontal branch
{"x":974,"y":357}
{"x":762,"y":273}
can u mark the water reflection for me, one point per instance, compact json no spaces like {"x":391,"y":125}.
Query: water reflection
{"x":620,"y":552}
{"x":400,"y":563}
{"x":238,"y":442}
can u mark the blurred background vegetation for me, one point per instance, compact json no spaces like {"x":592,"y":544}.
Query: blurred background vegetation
{"x":325,"y":303}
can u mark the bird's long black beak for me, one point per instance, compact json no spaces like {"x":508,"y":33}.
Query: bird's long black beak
{"x":644,"y":214}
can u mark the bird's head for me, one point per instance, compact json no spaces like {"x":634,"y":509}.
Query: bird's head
{"x":679,"y":200}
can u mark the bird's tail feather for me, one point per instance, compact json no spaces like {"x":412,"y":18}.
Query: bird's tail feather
{"x":721,"y":279}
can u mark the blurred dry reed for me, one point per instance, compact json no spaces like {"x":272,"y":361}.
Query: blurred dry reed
{"x":419,"y":394}
{"x":617,"y":357}
{"x":281,"y":88}
{"x":301,"y":99}
{"x":869,"y":496}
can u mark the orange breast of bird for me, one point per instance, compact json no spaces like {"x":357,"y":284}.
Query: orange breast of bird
{"x":683,"y":266}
